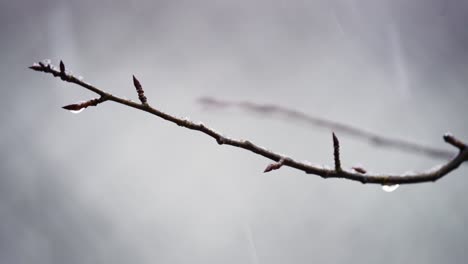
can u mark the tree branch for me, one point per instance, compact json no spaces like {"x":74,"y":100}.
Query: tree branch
{"x":375,"y":139}
{"x":360,"y":175}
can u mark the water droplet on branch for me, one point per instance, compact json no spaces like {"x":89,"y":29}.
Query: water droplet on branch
{"x":77,"y":111}
{"x":390,"y":188}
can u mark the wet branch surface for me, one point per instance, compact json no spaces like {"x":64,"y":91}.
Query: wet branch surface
{"x":356,"y":174}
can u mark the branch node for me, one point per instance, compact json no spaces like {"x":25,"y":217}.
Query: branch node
{"x":220,"y":140}
{"x":336,"y":152}
{"x":450,"y":139}
{"x":140,"y":92}
{"x":248,"y":143}
{"x":364,"y":180}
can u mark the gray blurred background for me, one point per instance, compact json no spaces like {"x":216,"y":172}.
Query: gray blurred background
{"x":115,"y":185}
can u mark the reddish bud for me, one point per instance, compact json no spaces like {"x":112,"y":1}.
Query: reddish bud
{"x":79,"y":106}
{"x":274,"y":166}
{"x":74,"y":107}
{"x":359,"y":169}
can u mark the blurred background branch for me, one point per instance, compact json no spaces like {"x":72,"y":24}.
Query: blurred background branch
{"x":277,"y":111}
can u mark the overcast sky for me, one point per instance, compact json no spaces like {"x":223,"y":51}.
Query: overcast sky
{"x":114,"y":185}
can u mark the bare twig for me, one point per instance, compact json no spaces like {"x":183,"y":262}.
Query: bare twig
{"x":378,"y":140}
{"x":383,"y":179}
{"x":454,"y":142}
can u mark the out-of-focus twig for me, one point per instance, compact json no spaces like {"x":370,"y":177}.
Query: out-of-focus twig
{"x":373,"y":138}
{"x":280,"y":160}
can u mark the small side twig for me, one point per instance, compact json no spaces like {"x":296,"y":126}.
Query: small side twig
{"x":449,"y":138}
{"x":281,"y":160}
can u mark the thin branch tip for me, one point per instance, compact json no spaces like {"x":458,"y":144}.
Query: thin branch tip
{"x":450,"y":139}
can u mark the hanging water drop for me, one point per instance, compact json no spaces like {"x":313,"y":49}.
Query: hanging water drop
{"x":77,"y":111}
{"x":390,"y":188}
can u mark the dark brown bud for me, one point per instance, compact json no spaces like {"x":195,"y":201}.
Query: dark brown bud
{"x":74,"y":107}
{"x":359,"y":169}
{"x":81,"y":105}
{"x":336,"y":152}
{"x":139,"y":89}
{"x":137,"y":84}
{"x":62,"y":67}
